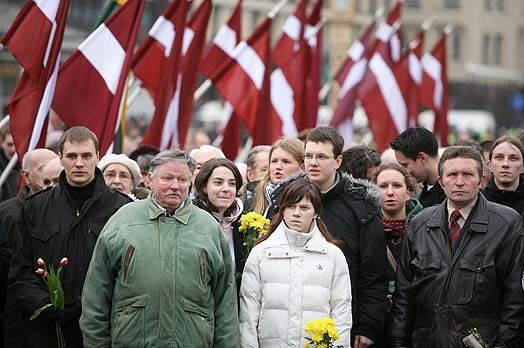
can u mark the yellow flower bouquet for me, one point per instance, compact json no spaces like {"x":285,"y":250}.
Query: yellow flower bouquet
{"x":323,"y":333}
{"x":252,"y":226}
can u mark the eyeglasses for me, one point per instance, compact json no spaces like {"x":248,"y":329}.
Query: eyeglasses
{"x":319,"y":157}
{"x":113,"y":175}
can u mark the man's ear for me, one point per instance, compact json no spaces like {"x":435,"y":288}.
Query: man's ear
{"x":338,"y":161}
{"x":423,"y":157}
{"x":439,"y":179}
{"x":25,"y":176}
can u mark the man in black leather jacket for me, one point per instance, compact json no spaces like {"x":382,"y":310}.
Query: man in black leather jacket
{"x":459,"y":272}
{"x":61,"y":222}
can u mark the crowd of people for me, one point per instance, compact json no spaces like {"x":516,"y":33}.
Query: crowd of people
{"x":415,"y":247}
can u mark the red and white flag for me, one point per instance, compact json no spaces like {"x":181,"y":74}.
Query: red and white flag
{"x":244,"y":82}
{"x":171,"y":128}
{"x":380,"y":93}
{"x":348,"y":78}
{"x":289,"y":80}
{"x":314,"y":81}
{"x":102,"y":63}
{"x":435,"y":91}
{"x":408,"y":73}
{"x":222,"y":47}
{"x":34,"y":39}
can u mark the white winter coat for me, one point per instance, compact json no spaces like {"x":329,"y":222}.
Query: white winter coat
{"x":288,"y":281}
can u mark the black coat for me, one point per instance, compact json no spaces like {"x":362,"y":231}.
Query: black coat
{"x":10,"y":187}
{"x":10,"y":240}
{"x":351,"y":212}
{"x":512,"y":199}
{"x":433,"y":196}
{"x":441,"y":295}
{"x":52,"y":227}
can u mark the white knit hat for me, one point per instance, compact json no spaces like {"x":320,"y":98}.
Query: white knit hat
{"x":123,"y":160}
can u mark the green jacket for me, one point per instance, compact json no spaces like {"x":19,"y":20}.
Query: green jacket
{"x":159,"y":281}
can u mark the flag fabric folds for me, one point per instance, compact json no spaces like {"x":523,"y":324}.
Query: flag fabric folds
{"x":289,"y":80}
{"x":314,"y":79}
{"x":435,"y":90}
{"x":102,"y":62}
{"x":348,"y":78}
{"x":173,"y":111}
{"x":244,"y":82}
{"x":34,"y":39}
{"x":222,"y":47}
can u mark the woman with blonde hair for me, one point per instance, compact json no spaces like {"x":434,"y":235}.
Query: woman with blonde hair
{"x":286,"y":161}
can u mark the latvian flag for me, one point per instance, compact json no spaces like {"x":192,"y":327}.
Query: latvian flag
{"x":91,"y":82}
{"x":34,"y":39}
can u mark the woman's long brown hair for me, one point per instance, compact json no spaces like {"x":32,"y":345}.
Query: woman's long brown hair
{"x":294,"y":193}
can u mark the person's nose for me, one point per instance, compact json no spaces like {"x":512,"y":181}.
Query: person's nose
{"x":175,"y":186}
{"x":505,"y":163}
{"x":79,"y":162}
{"x":389,"y":191}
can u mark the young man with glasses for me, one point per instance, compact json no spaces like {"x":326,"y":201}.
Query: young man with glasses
{"x":351,"y":212}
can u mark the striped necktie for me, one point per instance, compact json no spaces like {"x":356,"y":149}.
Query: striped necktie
{"x":454,"y":227}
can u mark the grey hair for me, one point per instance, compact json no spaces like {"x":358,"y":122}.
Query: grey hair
{"x":207,"y":148}
{"x":173,"y":155}
{"x":251,"y":157}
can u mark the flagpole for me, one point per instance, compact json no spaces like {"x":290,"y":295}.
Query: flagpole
{"x":4,"y":121}
{"x":8,"y":168}
{"x":271,"y":14}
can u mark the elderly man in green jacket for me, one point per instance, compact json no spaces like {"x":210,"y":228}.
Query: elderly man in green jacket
{"x":161,"y":274}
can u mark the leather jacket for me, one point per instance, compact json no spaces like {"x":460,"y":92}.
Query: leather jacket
{"x":441,"y":294}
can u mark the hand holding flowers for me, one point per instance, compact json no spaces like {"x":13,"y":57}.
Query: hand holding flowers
{"x":253,"y":225}
{"x":52,"y":280}
{"x":323,"y":333}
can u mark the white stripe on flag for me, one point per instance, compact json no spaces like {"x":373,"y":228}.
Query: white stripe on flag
{"x":49,"y":9}
{"x":356,"y":50}
{"x":345,"y":128}
{"x":105,"y":54}
{"x":226,"y":39}
{"x":292,"y":27}
{"x":283,"y":102}
{"x":384,"y":32}
{"x":189,"y":34}
{"x":43,"y":108}
{"x":354,"y":76}
{"x":415,"y":68}
{"x":170,"y":130}
{"x":395,"y":47}
{"x":390,"y":91}
{"x":311,"y":37}
{"x":433,"y":68}
{"x":250,"y":62}
{"x":163,"y":31}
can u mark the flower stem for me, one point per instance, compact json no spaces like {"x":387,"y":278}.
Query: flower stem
{"x":59,"y":336}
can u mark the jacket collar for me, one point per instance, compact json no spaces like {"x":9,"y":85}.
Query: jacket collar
{"x":155,"y":211}
{"x":357,"y":188}
{"x":317,"y":242}
{"x":100,"y":188}
{"x":477,"y":220}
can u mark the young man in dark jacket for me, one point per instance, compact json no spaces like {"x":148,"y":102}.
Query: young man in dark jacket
{"x":416,"y":149}
{"x":461,"y":266}
{"x":62,"y":222}
{"x":507,"y":165}
{"x":350,"y":210}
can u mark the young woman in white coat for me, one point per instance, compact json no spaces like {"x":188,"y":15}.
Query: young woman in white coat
{"x":293,"y":275}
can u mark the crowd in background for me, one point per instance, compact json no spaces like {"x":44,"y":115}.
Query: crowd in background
{"x":412,"y":247}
